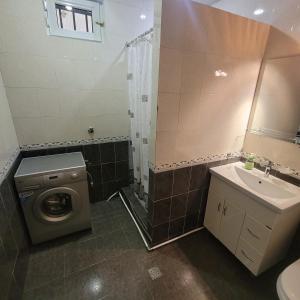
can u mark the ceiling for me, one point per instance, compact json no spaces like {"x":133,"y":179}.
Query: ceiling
{"x":282,"y":14}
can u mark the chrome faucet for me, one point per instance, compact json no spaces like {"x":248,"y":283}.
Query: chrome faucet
{"x":268,"y":169}
{"x":265,"y":163}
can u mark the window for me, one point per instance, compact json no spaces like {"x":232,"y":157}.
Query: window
{"x":75,"y":18}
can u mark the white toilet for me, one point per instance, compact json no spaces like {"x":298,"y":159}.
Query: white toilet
{"x":288,"y":283}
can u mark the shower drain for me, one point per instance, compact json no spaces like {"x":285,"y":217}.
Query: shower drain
{"x":155,"y":273}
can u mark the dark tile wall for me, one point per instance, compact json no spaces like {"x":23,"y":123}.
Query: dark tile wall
{"x":14,"y":241}
{"x":177,"y":200}
{"x":108,"y":164}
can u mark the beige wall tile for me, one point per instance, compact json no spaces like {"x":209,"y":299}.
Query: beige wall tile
{"x":281,"y":44}
{"x":195,"y":35}
{"x":169,"y":70}
{"x":213,"y":111}
{"x":278,"y":151}
{"x":193,"y":111}
{"x":165,"y":147}
{"x":192,"y":71}
{"x":172,"y":29}
{"x":167,"y":114}
{"x":168,"y":102}
{"x":167,"y":121}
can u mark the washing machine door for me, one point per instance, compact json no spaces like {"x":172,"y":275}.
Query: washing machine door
{"x":57,"y":205}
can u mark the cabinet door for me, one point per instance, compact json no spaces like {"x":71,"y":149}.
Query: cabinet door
{"x":231,"y":225}
{"x":213,"y":213}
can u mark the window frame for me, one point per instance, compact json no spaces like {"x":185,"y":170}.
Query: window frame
{"x":54,"y":29}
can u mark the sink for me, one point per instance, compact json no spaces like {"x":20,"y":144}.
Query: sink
{"x":262,"y":185}
{"x":271,"y":191}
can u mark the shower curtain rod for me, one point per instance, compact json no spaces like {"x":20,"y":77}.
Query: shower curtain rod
{"x":128,"y":44}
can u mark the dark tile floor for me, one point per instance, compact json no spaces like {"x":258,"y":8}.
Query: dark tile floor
{"x":112,"y":263}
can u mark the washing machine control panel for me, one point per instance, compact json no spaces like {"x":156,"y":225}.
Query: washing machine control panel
{"x":50,"y":180}
{"x":54,"y":179}
{"x":62,"y":178}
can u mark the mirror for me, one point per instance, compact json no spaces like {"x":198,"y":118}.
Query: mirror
{"x":276,"y":108}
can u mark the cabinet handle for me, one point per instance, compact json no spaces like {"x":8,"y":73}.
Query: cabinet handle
{"x":225,"y":210}
{"x":253,"y":234}
{"x":243,"y":252}
{"x":219,"y":206}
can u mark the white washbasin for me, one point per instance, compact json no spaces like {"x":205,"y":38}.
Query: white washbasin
{"x":262,"y":185}
{"x":271,"y":191}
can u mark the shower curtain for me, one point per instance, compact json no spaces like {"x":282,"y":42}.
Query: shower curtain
{"x":140,"y":83}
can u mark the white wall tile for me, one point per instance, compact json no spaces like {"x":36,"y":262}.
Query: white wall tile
{"x":23,"y":102}
{"x":30,"y":130}
{"x":19,"y":8}
{"x":27,"y":71}
{"x":57,"y":86}
{"x":8,"y":138}
{"x":102,"y":102}
{"x":48,"y":102}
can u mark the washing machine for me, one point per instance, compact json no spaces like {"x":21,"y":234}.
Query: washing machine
{"x":53,"y":193}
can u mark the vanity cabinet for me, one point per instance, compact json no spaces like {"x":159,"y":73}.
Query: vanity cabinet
{"x":224,"y":219}
{"x":257,"y":235}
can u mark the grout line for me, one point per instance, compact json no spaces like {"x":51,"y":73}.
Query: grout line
{"x":171,"y":201}
{"x":177,"y":195}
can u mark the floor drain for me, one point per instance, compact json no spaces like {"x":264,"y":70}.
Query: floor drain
{"x":155,"y":273}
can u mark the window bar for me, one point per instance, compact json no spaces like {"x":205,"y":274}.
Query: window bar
{"x":60,"y":18}
{"x":86,"y":23}
{"x":74,"y":23}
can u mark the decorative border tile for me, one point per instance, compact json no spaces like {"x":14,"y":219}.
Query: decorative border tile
{"x":196,"y":161}
{"x":4,"y":169}
{"x":215,"y":157}
{"x":74,"y":143}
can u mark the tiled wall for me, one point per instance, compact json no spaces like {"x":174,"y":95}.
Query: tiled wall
{"x":13,"y":236}
{"x":199,"y":113}
{"x":58,"y":87}
{"x":8,"y":138}
{"x":13,"y":239}
{"x":178,"y":200}
{"x":108,"y":164}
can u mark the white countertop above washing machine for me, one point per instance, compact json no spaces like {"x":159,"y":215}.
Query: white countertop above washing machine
{"x":50,"y":163}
